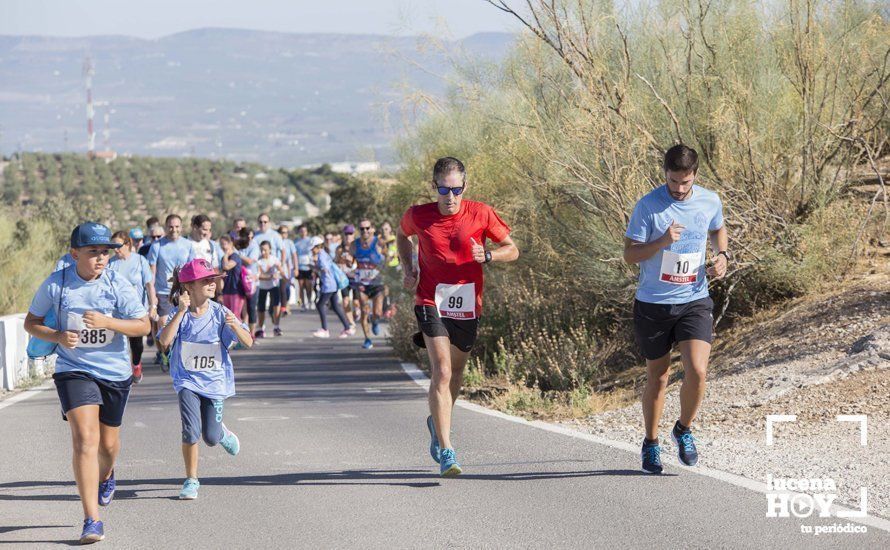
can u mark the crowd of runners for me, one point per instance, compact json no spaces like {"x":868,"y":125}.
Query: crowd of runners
{"x":197,"y":299}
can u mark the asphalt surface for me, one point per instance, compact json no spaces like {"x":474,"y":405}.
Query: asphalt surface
{"x":334,"y":454}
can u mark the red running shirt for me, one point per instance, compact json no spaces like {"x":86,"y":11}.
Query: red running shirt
{"x":448,"y":273}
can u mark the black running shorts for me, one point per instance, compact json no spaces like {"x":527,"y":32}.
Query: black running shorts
{"x":460,"y":332}
{"x":658,"y":326}
{"x":77,"y":389}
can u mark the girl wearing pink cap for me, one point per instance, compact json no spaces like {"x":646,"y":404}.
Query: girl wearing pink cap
{"x":198,"y":337}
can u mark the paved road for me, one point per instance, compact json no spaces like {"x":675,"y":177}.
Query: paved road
{"x":334,"y":454}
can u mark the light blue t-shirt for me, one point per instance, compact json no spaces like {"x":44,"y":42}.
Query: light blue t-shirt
{"x":136,"y":270}
{"x":274,"y":239}
{"x":675,"y":275}
{"x":289,"y":250}
{"x":65,"y":261}
{"x":102,"y":353}
{"x":326,"y":267}
{"x":304,"y":253}
{"x":252,"y":252}
{"x":167,"y":255}
{"x":199,"y":357}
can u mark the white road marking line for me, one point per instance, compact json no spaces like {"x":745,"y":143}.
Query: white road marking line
{"x":27,"y":394}
{"x":139,"y":425}
{"x":260,"y":418}
{"x":758,"y":487}
{"x":371,"y":390}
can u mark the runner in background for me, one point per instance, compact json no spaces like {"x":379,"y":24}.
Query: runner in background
{"x":198,"y":338}
{"x":346,"y":262}
{"x":451,"y":234}
{"x":233,"y":293}
{"x":270,"y":272}
{"x":97,"y":310}
{"x":290,"y":263}
{"x":392,"y":262}
{"x":370,"y":257}
{"x":201,"y":239}
{"x":165,"y":255}
{"x":135,"y":269}
{"x":327,"y":290}
{"x":155,"y":233}
{"x":305,"y":274}
{"x":250,"y":254}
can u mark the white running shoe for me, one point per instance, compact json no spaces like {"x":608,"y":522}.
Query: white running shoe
{"x":321,"y":333}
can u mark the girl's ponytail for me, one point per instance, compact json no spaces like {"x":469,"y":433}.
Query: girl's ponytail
{"x":175,"y":288}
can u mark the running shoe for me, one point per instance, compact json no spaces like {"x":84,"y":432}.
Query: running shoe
{"x":93,"y":531}
{"x":259,"y":334}
{"x":651,"y":455}
{"x":345,"y":334}
{"x":375,"y":326}
{"x":189,"y":489}
{"x":448,"y":466}
{"x":434,"y":441}
{"x":351,"y":330}
{"x":321,"y":333}
{"x":367,"y":344}
{"x":137,"y":373}
{"x":277,"y":332}
{"x":685,"y":443}
{"x":230,"y":442}
{"x":106,"y":490}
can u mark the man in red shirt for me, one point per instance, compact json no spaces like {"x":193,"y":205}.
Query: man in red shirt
{"x":451,"y":235}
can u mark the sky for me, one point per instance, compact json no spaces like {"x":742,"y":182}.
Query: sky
{"x":156,"y":18}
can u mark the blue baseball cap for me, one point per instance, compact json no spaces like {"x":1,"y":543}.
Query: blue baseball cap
{"x":136,"y":234}
{"x":92,"y":234}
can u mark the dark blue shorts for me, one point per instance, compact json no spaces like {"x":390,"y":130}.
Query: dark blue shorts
{"x":658,"y":326}
{"x":77,"y":389}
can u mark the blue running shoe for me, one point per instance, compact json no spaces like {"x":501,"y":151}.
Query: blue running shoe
{"x":93,"y":531}
{"x":651,"y":455}
{"x":434,"y":441}
{"x":448,"y":466}
{"x":368,"y":344}
{"x":685,"y":443}
{"x":189,"y":489}
{"x":106,"y":490}
{"x":375,"y":326}
{"x":230,"y":442}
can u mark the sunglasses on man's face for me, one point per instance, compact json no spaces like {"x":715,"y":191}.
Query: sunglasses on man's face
{"x":156,"y":237}
{"x":455,"y":190}
{"x":363,"y":229}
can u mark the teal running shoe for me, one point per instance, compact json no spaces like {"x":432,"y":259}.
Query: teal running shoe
{"x":448,"y":466}
{"x":230,"y":442}
{"x":434,"y":441}
{"x":189,"y":489}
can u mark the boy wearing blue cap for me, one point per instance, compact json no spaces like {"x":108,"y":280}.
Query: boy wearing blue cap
{"x":97,"y":310}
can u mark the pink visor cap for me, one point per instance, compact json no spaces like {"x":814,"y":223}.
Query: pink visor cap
{"x":197,"y":269}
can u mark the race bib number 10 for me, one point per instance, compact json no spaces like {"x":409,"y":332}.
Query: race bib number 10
{"x":200,"y":357}
{"x":456,"y":301}
{"x":680,"y":269}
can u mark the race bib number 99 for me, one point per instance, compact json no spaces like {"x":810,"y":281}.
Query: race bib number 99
{"x":680,"y":269}
{"x":88,"y":337}
{"x":201,"y":357}
{"x":456,"y":301}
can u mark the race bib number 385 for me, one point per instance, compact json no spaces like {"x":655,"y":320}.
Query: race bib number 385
{"x":680,"y":269}
{"x":201,"y":357}
{"x":88,"y":337}
{"x":456,"y":301}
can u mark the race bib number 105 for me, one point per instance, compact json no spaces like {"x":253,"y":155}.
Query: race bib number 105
{"x":201,"y":357}
{"x":680,"y":269}
{"x":456,"y":301}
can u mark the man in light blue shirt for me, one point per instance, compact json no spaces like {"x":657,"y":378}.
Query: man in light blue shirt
{"x":164,"y":256}
{"x":668,"y":235}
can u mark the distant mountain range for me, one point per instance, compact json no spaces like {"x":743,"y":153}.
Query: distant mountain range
{"x":277,"y":98}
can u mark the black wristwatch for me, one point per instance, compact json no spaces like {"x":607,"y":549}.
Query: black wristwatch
{"x":727,"y":254}
{"x":487,"y":256}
